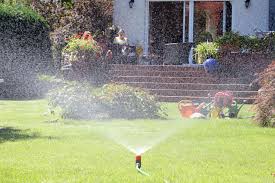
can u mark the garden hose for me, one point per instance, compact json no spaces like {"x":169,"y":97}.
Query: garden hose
{"x":138,"y":168}
{"x":146,"y":174}
{"x":141,"y":171}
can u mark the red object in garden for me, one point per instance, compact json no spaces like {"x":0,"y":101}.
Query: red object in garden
{"x":187,"y":108}
{"x":87,"y":36}
{"x":138,"y":161}
{"x":223,"y":99}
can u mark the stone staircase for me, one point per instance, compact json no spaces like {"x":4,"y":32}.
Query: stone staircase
{"x":175,"y":83}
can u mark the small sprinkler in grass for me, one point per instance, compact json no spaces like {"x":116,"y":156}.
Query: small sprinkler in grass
{"x":138,"y":161}
{"x":138,"y":165}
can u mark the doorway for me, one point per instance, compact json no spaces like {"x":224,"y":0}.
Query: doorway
{"x":211,"y":20}
{"x":166,"y":25}
{"x":172,"y":21}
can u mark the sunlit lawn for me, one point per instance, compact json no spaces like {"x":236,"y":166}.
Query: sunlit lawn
{"x":36,"y":148}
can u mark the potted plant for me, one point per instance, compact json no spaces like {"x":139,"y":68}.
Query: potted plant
{"x":206,"y":50}
{"x":84,"y":55}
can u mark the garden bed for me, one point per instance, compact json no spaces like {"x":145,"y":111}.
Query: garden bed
{"x":244,"y":64}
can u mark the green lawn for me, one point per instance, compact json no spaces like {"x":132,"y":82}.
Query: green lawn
{"x":36,"y":148}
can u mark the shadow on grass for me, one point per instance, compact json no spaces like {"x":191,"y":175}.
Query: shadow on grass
{"x":13,"y":134}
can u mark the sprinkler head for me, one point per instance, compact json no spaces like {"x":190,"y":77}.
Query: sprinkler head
{"x":138,"y":161}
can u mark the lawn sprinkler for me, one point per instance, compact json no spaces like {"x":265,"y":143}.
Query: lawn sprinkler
{"x":138,"y":165}
{"x":138,"y":161}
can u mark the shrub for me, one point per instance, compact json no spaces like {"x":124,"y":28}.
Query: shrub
{"x":76,"y":101}
{"x":82,"y":101}
{"x":205,"y":50}
{"x":233,"y":41}
{"x":20,"y":13}
{"x":265,"y":103}
{"x":67,"y":17}
{"x":230,"y":41}
{"x":129,"y":102}
{"x":25,"y":50}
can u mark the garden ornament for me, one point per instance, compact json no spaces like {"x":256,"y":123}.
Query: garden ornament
{"x":210,"y":65}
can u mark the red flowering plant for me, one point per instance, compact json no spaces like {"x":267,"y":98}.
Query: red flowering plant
{"x":85,"y":56}
{"x":82,"y":46}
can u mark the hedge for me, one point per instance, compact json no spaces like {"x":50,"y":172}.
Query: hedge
{"x":25,"y":51}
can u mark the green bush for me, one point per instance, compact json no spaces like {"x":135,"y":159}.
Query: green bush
{"x":25,"y":50}
{"x":77,"y":101}
{"x":205,"y":50}
{"x":82,"y":101}
{"x":83,"y":42}
{"x":129,"y":102}
{"x":265,"y":103}
{"x":230,"y":40}
{"x":233,"y":41}
{"x":21,"y":13}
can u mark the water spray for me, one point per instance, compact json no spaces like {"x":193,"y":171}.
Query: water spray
{"x":138,"y":165}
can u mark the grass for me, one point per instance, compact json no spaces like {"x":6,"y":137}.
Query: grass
{"x":36,"y":148}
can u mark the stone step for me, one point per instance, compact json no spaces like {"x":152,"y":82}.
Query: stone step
{"x":157,"y":67}
{"x":247,"y":100}
{"x":159,"y":73}
{"x":200,"y":93}
{"x":188,"y":86}
{"x":174,"y":83}
{"x":157,"y":79}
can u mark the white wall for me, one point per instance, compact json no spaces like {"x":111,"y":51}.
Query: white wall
{"x":131,"y":20}
{"x":246,"y":20}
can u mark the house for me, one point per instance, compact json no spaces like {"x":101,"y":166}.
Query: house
{"x":154,"y":22}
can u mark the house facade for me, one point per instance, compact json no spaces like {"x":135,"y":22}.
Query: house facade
{"x":152,"y":22}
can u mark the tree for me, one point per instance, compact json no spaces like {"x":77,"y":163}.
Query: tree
{"x":66,"y":18}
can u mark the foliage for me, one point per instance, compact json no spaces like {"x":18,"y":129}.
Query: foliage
{"x":22,"y":13}
{"x":205,"y":50}
{"x":82,"y":42}
{"x":82,"y":101}
{"x":84,"y":55}
{"x":129,"y":102}
{"x":265,"y":104}
{"x":66,"y":18}
{"x":25,"y":50}
{"x":76,"y":101}
{"x":233,"y":41}
{"x":94,"y":16}
{"x":14,"y":2}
